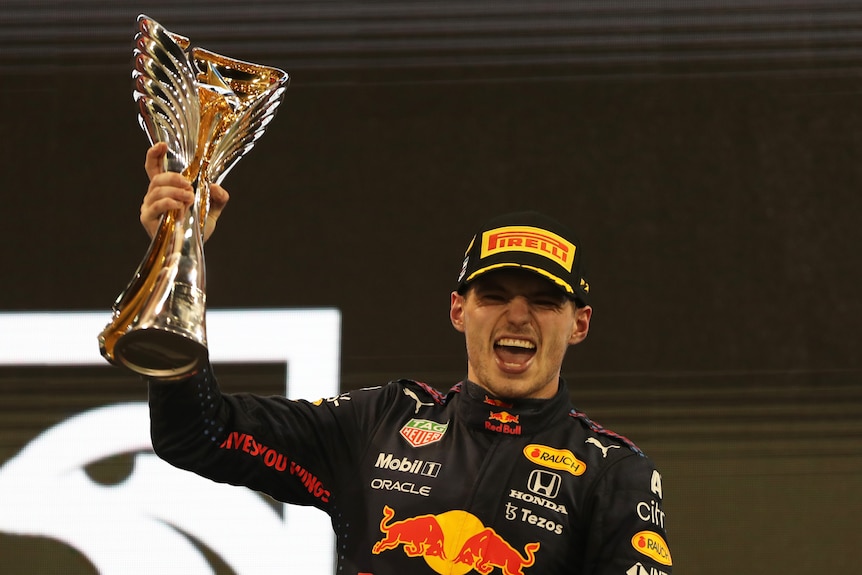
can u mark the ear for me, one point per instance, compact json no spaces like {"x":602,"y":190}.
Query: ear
{"x":456,"y":311}
{"x":581,"y":326}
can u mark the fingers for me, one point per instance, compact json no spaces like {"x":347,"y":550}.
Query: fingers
{"x":167,"y":191}
{"x":171,"y":191}
{"x":154,"y":164}
{"x":218,"y":200}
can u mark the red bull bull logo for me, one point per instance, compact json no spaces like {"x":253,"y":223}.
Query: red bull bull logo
{"x":505,"y":419}
{"x":421,"y":536}
{"x":487,"y":550}
{"x":453,"y":543}
{"x":497,"y":402}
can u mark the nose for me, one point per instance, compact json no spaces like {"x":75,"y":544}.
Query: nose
{"x":518,"y":310}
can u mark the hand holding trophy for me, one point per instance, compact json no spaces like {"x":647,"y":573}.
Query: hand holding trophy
{"x":210,"y":110}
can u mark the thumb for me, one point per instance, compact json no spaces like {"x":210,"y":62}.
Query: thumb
{"x":154,"y":164}
{"x":218,"y":199}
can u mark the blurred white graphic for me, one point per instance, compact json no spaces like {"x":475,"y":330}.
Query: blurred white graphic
{"x":154,"y":520}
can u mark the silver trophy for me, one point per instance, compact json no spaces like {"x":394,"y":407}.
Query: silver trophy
{"x":210,"y":110}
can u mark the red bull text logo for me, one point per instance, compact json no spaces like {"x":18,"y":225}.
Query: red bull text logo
{"x":561,"y":459}
{"x":529,"y":239}
{"x":420,"y":432}
{"x":504,"y":418}
{"x":653,"y":546}
{"x":454,"y":542}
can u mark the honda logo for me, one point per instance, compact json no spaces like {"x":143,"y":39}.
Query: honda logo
{"x":544,"y":483}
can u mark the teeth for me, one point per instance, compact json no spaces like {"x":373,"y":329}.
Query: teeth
{"x":511,"y":342}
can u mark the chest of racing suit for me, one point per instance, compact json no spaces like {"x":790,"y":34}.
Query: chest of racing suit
{"x":416,"y":481}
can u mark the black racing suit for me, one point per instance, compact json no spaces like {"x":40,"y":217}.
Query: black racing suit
{"x":416,"y":481}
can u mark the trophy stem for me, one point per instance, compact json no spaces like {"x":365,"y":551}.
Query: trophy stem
{"x":160,"y":332}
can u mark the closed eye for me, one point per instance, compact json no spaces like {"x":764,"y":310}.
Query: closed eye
{"x":548,"y":303}
{"x":492,"y":296}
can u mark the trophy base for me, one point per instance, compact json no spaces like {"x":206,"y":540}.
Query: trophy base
{"x":160,"y":354}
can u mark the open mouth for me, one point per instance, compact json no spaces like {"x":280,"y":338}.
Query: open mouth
{"x":514,"y":352}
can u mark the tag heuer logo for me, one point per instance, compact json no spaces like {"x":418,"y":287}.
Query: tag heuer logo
{"x":420,"y":432}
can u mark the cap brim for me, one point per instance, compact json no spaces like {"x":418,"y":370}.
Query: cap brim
{"x":565,"y":286}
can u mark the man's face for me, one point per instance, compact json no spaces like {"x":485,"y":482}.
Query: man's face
{"x":517,"y":326}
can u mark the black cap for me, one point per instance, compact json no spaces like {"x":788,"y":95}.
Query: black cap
{"x":530,"y":241}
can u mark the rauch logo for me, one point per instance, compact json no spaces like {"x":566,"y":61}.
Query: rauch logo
{"x":561,"y":459}
{"x":653,"y":546}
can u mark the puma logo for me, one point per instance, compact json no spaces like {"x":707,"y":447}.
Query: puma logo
{"x":412,"y":395}
{"x":604,"y":448}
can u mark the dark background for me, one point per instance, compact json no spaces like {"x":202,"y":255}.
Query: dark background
{"x":705,"y":152}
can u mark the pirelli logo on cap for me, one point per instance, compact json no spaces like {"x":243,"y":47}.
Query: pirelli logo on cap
{"x":529,"y":239}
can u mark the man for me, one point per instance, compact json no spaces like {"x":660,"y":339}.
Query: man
{"x":501,"y":474}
